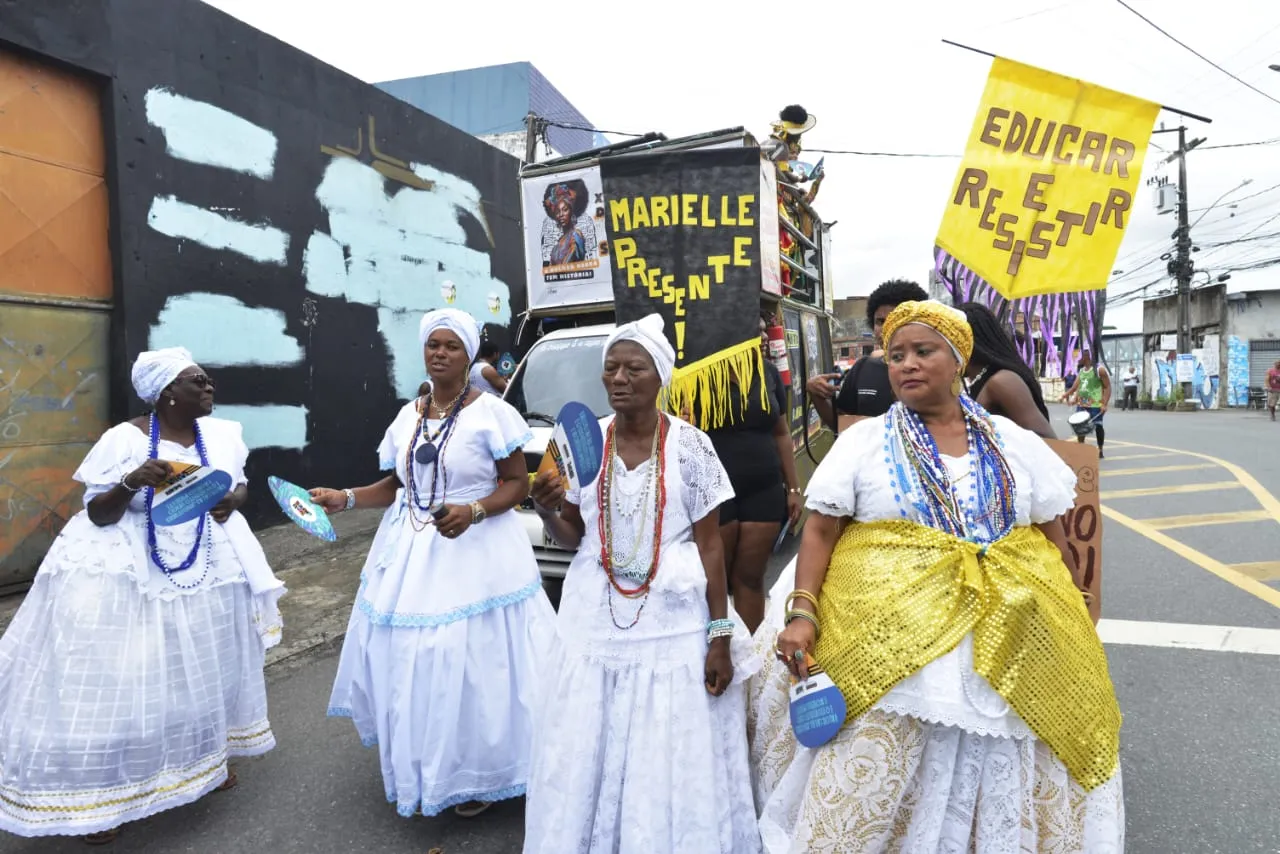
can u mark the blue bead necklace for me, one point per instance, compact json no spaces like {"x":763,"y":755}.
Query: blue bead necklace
{"x":152,"y":543}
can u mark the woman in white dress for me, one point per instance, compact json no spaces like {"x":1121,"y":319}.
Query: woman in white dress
{"x":133,"y":670}
{"x":933,"y":587}
{"x":640,"y":742}
{"x":450,"y":622}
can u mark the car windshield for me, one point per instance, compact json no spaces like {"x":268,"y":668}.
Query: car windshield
{"x":556,"y":372}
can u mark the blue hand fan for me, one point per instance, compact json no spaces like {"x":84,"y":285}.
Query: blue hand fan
{"x":302,"y":511}
{"x":188,"y":493}
{"x":576,"y":447}
{"x":818,"y":709}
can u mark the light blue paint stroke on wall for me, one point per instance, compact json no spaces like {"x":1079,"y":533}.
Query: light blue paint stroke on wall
{"x":400,"y":252}
{"x":202,"y":133}
{"x":259,"y":241}
{"x":269,"y":426}
{"x":1237,"y":371}
{"x":220,"y":331}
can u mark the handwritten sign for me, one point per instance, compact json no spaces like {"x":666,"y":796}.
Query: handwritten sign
{"x":684,"y":233}
{"x":1046,"y":188}
{"x":1084,"y":520}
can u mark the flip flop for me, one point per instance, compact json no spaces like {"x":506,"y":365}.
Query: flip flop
{"x":229,"y":783}
{"x":471,"y":809}
{"x":106,"y":837}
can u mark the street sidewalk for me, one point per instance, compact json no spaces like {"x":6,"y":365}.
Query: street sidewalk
{"x":321,"y":578}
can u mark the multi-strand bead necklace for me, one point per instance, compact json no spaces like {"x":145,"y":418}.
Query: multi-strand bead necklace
{"x":921,"y":480}
{"x":152,"y":543}
{"x":627,"y":569}
{"x":427,"y":448}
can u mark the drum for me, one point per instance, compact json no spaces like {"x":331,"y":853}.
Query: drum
{"x":1081,"y":423}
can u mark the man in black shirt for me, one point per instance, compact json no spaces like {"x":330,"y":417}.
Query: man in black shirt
{"x":865,"y":391}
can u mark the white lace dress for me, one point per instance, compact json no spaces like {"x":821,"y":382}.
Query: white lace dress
{"x":941,"y":763}
{"x":123,"y":691}
{"x":440,"y":663}
{"x":632,"y":755}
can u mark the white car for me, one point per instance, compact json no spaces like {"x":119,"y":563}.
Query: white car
{"x":562,"y":366}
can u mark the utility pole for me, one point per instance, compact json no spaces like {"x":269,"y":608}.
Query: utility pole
{"x":1182,"y":267}
{"x":532,"y":130}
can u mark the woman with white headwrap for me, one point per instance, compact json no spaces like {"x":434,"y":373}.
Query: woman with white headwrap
{"x":439,"y":665}
{"x":133,"y":669}
{"x":640,"y":739}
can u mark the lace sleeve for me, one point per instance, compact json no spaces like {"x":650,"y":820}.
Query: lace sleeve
{"x":832,"y":489}
{"x":704,"y":480}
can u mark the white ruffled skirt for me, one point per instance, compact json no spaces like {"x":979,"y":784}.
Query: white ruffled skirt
{"x":446,"y":689}
{"x":632,"y":755}
{"x":114,"y":705}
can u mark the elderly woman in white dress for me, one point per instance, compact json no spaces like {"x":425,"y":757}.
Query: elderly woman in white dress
{"x":439,"y":666}
{"x":935,"y":587}
{"x":640,"y":743}
{"x":134,"y":669}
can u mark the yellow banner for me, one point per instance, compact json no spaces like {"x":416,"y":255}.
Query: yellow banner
{"x":1048,"y":181}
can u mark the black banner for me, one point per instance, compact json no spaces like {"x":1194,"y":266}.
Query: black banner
{"x":684,"y":231}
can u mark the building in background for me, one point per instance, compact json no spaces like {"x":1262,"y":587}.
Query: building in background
{"x":491,"y":103}
{"x":1237,"y":330}
{"x":851,"y":337}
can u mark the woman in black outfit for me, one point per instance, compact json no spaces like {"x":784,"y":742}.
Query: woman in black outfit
{"x":864,"y":392}
{"x":998,"y":378}
{"x":755,"y":449}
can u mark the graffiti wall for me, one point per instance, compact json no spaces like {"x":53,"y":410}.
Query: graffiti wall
{"x":1237,"y":371}
{"x":1163,"y":373}
{"x":287,"y":223}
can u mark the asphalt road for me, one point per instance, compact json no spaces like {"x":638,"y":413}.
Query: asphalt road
{"x":1201,"y":750}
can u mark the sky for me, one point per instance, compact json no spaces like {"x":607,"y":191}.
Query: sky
{"x":881,"y":80}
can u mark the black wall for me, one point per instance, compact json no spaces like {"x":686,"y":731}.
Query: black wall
{"x":198,"y":53}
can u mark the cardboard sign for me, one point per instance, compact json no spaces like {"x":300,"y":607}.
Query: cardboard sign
{"x":187,"y":493}
{"x":1084,"y":520}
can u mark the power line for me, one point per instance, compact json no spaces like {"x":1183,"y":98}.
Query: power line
{"x":567,"y":126}
{"x":881,"y":153}
{"x":1192,"y":50}
{"x":1239,"y":144}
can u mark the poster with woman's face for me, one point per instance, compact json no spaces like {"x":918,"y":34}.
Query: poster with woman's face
{"x":566,"y":253}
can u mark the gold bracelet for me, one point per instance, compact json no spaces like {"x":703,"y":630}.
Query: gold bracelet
{"x":804,"y":615}
{"x":802,"y":594}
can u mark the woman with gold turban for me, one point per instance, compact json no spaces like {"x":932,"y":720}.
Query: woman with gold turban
{"x":933,"y":586}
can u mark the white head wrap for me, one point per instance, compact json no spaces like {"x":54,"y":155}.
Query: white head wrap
{"x":458,"y":322}
{"x":154,"y":370}
{"x":647,"y":332}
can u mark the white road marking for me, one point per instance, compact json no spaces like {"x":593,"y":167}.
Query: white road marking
{"x":1190,"y":636}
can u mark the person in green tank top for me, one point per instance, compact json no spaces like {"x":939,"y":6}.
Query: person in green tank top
{"x":1092,"y":393}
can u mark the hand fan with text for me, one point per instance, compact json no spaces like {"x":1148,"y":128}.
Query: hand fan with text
{"x":818,"y":709}
{"x":188,"y":493}
{"x":576,"y":447}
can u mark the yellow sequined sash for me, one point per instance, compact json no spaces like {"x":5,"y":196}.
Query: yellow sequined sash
{"x":899,"y":595}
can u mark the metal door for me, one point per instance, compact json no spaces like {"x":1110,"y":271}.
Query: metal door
{"x":55,"y":292}
{"x":1263,"y":355}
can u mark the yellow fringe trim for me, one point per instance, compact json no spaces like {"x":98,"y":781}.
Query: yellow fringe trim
{"x":708,"y":383}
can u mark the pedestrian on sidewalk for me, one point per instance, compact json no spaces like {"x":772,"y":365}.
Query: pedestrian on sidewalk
{"x":997,"y":377}
{"x":134,"y":668}
{"x":939,"y":593}
{"x":440,"y":664}
{"x":641,"y":741}
{"x":864,"y":392}
{"x":1092,"y":394}
{"x":1273,"y":389}
{"x":1130,"y":381}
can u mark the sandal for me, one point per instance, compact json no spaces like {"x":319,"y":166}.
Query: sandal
{"x":471,"y":809}
{"x":106,"y":837}
{"x":229,"y":783}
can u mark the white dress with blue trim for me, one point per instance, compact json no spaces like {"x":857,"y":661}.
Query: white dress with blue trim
{"x":123,"y":689}
{"x":439,"y":666}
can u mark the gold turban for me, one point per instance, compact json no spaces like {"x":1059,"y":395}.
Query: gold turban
{"x":948,"y":322}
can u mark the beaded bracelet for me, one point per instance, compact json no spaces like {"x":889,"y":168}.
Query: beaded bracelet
{"x":124,"y":481}
{"x":801,"y":594}
{"x":804,"y":615}
{"x":719,"y":629}
{"x":351,"y":498}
